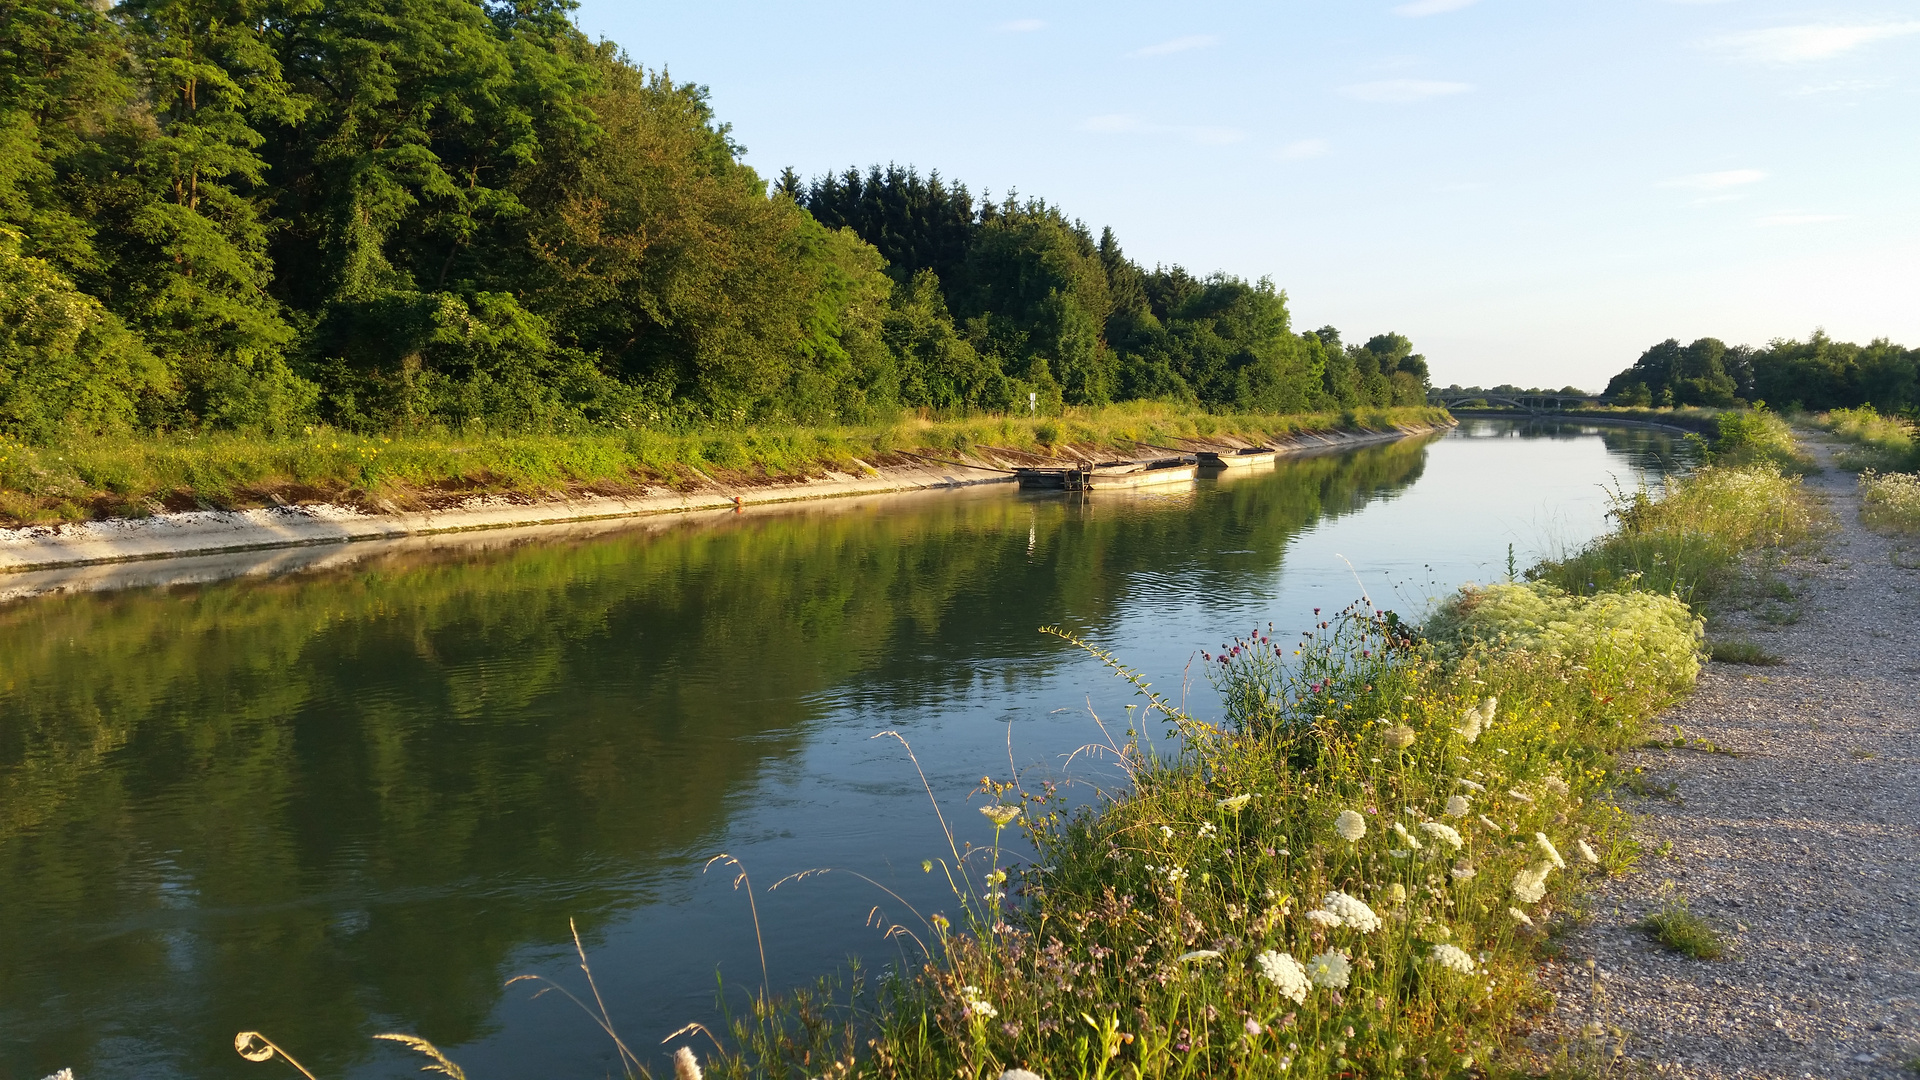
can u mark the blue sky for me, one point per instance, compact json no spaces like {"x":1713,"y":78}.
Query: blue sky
{"x":1532,"y":191}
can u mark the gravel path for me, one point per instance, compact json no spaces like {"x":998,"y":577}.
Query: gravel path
{"x":1804,"y":849}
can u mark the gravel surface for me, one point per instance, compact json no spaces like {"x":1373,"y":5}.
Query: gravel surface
{"x":1802,"y":845}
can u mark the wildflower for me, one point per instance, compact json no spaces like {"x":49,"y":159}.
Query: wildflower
{"x":1469,"y":728}
{"x":685,"y":1065}
{"x":1406,"y":837}
{"x":998,"y":877}
{"x":1207,"y":828}
{"x":1397,"y":893}
{"x":1446,"y":834}
{"x":1530,"y":885}
{"x":1489,"y":823}
{"x":1586,"y":851}
{"x":1547,"y":849}
{"x":1198,"y":954}
{"x":1521,"y":795}
{"x":1252,"y":1028}
{"x":1019,"y":1074}
{"x":1469,"y":785}
{"x":1452,"y":956}
{"x":1175,"y":875}
{"x":1487,"y":708}
{"x":1234,"y":802}
{"x":1350,"y":825}
{"x":1285,"y":973}
{"x":1166,"y":831}
{"x":1520,"y":916}
{"x":1458,"y":806}
{"x":1323,"y":918}
{"x":1399,"y":737}
{"x":1463,"y":870}
{"x":1557,"y":786}
{"x":1330,"y":970}
{"x":1352,"y":911}
{"x":1400,"y":852}
{"x":1001,"y":816}
{"x":977,"y":1005}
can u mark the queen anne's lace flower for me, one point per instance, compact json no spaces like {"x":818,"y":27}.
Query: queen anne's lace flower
{"x":1489,"y":823}
{"x":1446,"y":834}
{"x":1530,"y":885}
{"x":1520,"y":916}
{"x":1233,"y":802}
{"x":1397,"y":893}
{"x":1557,"y":786}
{"x":1330,"y":970}
{"x":1286,"y":974}
{"x":1399,"y":737}
{"x":1546,"y":848}
{"x":1352,"y":911}
{"x":1000,"y":815}
{"x":1454,"y":957}
{"x":1406,"y":837}
{"x":1463,"y":871}
{"x":976,"y":1004}
{"x":1324,"y":918}
{"x":1586,"y":851}
{"x":1521,"y":795}
{"x":1469,"y":784}
{"x":1459,"y":806}
{"x":1350,"y":825}
{"x":1199,"y":954}
{"x":1469,"y":728}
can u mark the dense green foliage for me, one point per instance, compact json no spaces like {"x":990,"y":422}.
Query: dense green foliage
{"x":395,"y":214}
{"x":1816,"y":374}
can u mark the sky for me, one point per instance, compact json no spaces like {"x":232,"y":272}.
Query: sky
{"x":1534,"y":191}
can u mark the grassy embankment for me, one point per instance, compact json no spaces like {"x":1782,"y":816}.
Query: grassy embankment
{"x":1885,"y":451}
{"x":1354,"y":873}
{"x":85,"y":478}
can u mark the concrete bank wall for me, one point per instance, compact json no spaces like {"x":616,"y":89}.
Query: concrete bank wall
{"x":225,"y":532}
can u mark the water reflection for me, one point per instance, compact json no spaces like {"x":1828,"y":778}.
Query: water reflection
{"x":335,"y":803}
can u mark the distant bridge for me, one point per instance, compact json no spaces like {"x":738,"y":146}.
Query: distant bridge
{"x":1529,"y":403}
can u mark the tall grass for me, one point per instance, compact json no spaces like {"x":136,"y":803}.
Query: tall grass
{"x":91,"y":477}
{"x":1758,"y":436}
{"x":1890,"y":501}
{"x":1879,"y":443}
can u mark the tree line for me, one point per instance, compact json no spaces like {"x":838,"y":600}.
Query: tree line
{"x":1818,"y":374}
{"x":384,"y":214}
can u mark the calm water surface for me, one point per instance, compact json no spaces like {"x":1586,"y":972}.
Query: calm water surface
{"x":326,"y":805}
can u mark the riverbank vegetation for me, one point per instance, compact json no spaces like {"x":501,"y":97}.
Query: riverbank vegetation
{"x":1816,"y":375}
{"x":1876,"y":441}
{"x":447,"y":217}
{"x":84,"y":477}
{"x":1353,"y":873}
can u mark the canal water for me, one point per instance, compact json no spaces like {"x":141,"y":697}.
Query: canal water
{"x":338,"y":802}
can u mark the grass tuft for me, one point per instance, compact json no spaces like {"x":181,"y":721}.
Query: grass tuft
{"x":1741,"y":651}
{"x":1679,"y":930}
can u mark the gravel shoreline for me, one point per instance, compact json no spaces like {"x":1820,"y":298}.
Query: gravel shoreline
{"x":1801,"y":845}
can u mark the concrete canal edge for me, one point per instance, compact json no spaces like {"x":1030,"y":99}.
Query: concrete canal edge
{"x":219,"y":532}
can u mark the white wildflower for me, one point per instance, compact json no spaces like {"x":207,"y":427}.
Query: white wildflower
{"x":1520,"y":916}
{"x":1397,"y":893}
{"x":1353,"y":911}
{"x":1199,"y":954}
{"x":1323,"y":918}
{"x":1330,"y":970}
{"x":1233,"y":802}
{"x":1019,"y":1074}
{"x":1546,"y":848}
{"x":1487,"y":708}
{"x":1557,"y":786}
{"x":1252,"y":1027}
{"x":1586,"y":851}
{"x":1521,"y":795}
{"x":1469,"y":728}
{"x":1530,"y":885}
{"x":1399,"y":737}
{"x":1446,"y":834}
{"x":1350,"y":825}
{"x":1463,"y":870}
{"x":1166,"y":831}
{"x":1406,"y":837}
{"x":1458,"y":806}
{"x":685,"y":1065}
{"x":976,"y":1004}
{"x":1001,"y":816}
{"x":1452,"y":956}
{"x":1489,"y":823}
{"x":1175,"y":875}
{"x":1207,"y":829}
{"x":1285,"y":973}
{"x":1468,"y":784}
{"x":1400,"y":853}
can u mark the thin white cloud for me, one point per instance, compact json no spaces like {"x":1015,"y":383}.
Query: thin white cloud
{"x":1304,"y":149}
{"x":1179,"y":44}
{"x":1418,"y":8}
{"x":1021,"y":26}
{"x":1403,"y":91}
{"x":1715,"y":181}
{"x":1814,"y":41}
{"x":1799,"y":219}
